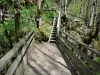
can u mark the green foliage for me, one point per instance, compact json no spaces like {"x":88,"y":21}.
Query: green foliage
{"x":9,"y":26}
{"x":97,"y":59}
{"x":75,"y":6}
{"x":43,"y":33}
{"x":47,"y":17}
{"x":48,"y":4}
{"x":46,"y":29}
{"x":27,"y":18}
{"x":6,"y":1}
{"x":96,"y":73}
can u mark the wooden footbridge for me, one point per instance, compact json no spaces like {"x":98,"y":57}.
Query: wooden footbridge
{"x":64,"y":57}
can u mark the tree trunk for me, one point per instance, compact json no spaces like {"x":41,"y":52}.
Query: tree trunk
{"x":17,"y":23}
{"x":87,"y":16}
{"x":39,"y":13}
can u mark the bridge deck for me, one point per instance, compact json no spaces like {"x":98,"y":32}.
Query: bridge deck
{"x":45,"y":59}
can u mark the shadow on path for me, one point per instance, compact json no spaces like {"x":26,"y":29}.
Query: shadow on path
{"x":44,"y":63}
{"x":50,"y":57}
{"x":67,"y":61}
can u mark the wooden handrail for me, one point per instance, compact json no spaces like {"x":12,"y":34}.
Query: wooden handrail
{"x":13,"y":67}
{"x":82,"y":44}
{"x":71,"y":49}
{"x":81,"y":68}
{"x":95,"y":65}
{"x":4,"y":61}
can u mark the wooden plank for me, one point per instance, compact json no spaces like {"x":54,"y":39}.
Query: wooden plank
{"x":59,"y":21}
{"x":4,"y":61}
{"x":75,"y":61}
{"x":22,"y":66}
{"x":67,"y":61}
{"x":79,"y":63}
{"x":83,"y":44}
{"x":54,"y":21}
{"x":95,"y":65}
{"x":28,"y":35}
{"x":15,"y":64}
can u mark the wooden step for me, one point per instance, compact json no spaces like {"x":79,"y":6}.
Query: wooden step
{"x":6,"y":19}
{"x":52,"y":41}
{"x":53,"y":35}
{"x":55,"y":28}
{"x":6,"y":12}
{"x":7,"y":15}
{"x":53,"y":38}
{"x":54,"y":31}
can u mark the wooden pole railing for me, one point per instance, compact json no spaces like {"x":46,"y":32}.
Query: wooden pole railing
{"x":21,"y":47}
{"x":59,"y":22}
{"x":86,"y":65}
{"x":83,"y":44}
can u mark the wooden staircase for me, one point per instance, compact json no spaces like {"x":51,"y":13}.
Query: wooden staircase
{"x":4,"y":15}
{"x":52,"y":38}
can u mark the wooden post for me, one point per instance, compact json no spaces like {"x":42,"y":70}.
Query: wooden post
{"x":59,"y":22}
{"x":17,"y":18}
{"x":65,"y":7}
{"x":87,"y":14}
{"x":40,"y":4}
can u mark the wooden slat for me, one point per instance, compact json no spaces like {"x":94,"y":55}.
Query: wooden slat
{"x":4,"y":61}
{"x":83,"y":70}
{"x":73,"y":62}
{"x":83,"y":44}
{"x":22,"y":66}
{"x":59,"y":21}
{"x":13,"y":67}
{"x":67,"y":61}
{"x":95,"y":65}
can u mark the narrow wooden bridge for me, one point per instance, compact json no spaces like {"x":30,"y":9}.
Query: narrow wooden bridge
{"x":60,"y":58}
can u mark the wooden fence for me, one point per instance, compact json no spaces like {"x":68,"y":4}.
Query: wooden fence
{"x":85,"y":65}
{"x":17,"y":52}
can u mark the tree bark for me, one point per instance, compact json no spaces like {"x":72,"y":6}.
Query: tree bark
{"x":40,"y":4}
{"x":17,"y":18}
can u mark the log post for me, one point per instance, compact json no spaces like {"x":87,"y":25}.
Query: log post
{"x":17,"y":18}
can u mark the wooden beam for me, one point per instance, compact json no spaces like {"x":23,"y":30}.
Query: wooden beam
{"x":94,"y":65}
{"x":4,"y":61}
{"x":83,"y":44}
{"x":15,"y":64}
{"x":59,"y":22}
{"x":82,"y":69}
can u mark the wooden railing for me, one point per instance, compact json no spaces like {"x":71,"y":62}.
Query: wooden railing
{"x":85,"y":65}
{"x":17,"y":52}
